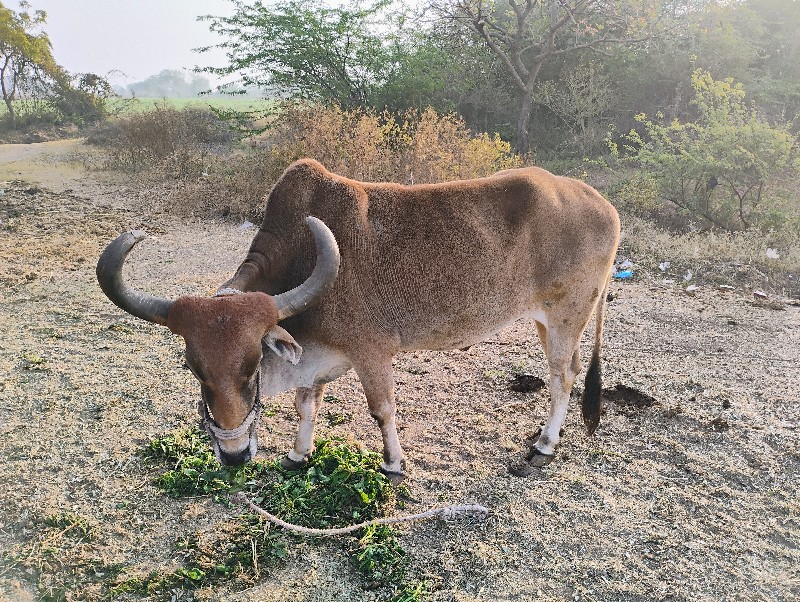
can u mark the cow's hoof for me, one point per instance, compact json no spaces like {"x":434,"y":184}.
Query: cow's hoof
{"x":289,"y":464}
{"x":532,"y":462}
{"x":537,"y":459}
{"x":395,"y":478}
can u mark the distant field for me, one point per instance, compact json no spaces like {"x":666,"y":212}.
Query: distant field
{"x":126,"y":105}
{"x":135,"y":105}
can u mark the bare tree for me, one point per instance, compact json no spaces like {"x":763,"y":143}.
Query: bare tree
{"x":525,"y":34}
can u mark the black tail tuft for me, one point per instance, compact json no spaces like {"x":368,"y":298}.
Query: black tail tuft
{"x":591,"y":394}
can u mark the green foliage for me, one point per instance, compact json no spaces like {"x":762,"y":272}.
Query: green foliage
{"x":34,"y":88}
{"x":526,"y":35}
{"x":637,"y":195}
{"x":380,"y":558}
{"x":306,"y":49}
{"x":82,"y":101}
{"x":582,"y":100}
{"x":195,"y":469}
{"x":728,"y":167}
{"x":71,"y":524}
{"x":33,"y":361}
{"x":340,"y":485}
{"x":26,"y":60}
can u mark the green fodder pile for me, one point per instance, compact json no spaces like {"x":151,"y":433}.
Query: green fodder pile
{"x":340,"y":485}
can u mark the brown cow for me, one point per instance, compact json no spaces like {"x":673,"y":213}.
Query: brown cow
{"x":435,"y":266}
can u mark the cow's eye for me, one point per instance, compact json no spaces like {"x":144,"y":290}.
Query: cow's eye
{"x":198,"y":374}
{"x":249,"y":367}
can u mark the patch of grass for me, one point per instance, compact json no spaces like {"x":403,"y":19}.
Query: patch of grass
{"x":71,"y":524}
{"x":126,"y":106}
{"x":241,"y":550}
{"x":49,"y":332}
{"x":340,"y":485}
{"x":120,"y":327}
{"x":495,"y":374}
{"x":335,"y":418}
{"x":33,"y":361}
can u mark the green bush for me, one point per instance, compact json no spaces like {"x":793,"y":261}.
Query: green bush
{"x":729,"y":168}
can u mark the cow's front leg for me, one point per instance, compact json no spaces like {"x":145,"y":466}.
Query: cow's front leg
{"x":306,"y":402}
{"x":378,"y":384}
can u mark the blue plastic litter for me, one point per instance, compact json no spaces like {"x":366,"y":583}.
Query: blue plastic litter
{"x":624,"y":275}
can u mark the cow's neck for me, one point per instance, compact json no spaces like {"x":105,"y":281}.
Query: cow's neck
{"x":318,"y":364}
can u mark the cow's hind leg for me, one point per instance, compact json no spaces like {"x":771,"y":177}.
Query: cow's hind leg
{"x":377,"y":379}
{"x":564,"y":362}
{"x":306,"y":402}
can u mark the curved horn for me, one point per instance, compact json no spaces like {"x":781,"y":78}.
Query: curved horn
{"x":302,"y":297}
{"x":109,"y":275}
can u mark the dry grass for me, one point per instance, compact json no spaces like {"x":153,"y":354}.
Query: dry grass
{"x":731,"y":258}
{"x":409,"y":148}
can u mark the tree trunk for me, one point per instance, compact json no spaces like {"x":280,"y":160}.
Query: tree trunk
{"x":12,"y":119}
{"x":523,"y":142}
{"x":8,"y":98}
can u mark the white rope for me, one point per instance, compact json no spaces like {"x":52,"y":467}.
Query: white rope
{"x":471,"y":510}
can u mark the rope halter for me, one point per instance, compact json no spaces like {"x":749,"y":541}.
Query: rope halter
{"x":216,"y":433}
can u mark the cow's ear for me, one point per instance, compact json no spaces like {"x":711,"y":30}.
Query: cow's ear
{"x":282,"y":343}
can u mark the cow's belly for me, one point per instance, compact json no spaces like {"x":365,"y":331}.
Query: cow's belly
{"x":459,"y":331}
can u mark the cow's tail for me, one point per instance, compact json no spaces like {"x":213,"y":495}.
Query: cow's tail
{"x":593,"y":384}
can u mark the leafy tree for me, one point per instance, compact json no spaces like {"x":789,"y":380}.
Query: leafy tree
{"x":728,"y":167}
{"x":26,"y":59}
{"x":81,"y":99}
{"x":526,"y":34}
{"x":582,"y":100}
{"x":775,"y":73}
{"x":305,"y":49}
{"x":444,"y":68}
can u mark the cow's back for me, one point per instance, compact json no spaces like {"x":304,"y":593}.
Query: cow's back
{"x":445,"y":265}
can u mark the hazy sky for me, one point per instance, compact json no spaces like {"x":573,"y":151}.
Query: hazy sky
{"x":137,"y":37}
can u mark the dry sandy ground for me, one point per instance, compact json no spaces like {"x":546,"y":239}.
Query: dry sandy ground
{"x":694,"y":498}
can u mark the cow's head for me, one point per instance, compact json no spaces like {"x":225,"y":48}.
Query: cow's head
{"x":226,"y":336}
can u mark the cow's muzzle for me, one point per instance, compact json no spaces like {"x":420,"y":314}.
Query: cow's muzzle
{"x":247,"y":429}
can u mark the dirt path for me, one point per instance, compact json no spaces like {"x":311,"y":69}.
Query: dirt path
{"x":693,"y":498}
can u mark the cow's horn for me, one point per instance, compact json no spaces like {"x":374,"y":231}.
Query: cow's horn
{"x":302,"y":297}
{"x":109,"y":274}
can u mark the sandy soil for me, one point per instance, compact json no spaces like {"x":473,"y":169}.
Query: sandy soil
{"x":694,"y":498}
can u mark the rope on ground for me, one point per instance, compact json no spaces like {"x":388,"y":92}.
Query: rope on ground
{"x":470,"y":510}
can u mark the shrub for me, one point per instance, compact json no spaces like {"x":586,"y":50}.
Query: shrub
{"x":179,"y":142}
{"x":409,"y":147}
{"x":730,"y":168}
